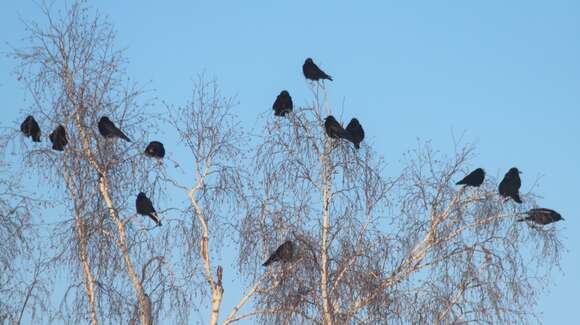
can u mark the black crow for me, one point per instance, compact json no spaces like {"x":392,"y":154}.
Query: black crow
{"x":542,"y":216}
{"x":355,"y":132}
{"x":510,"y":185}
{"x":312,"y":71}
{"x":108,"y":129}
{"x":283,"y":104}
{"x":283,"y":253}
{"x":58,"y":138}
{"x":334,"y":129}
{"x":475,"y":178}
{"x":30,"y":128}
{"x":155,"y":149}
{"x":145,"y":208}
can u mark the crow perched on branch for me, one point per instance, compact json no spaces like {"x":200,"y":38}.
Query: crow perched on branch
{"x":510,"y":185}
{"x":313,"y":72}
{"x":283,"y":104}
{"x":145,"y":208}
{"x":355,"y":132}
{"x":542,"y":216}
{"x":58,"y":138}
{"x":108,"y":129}
{"x":284,"y":253}
{"x":475,"y":178}
{"x":334,"y":129}
{"x":155,"y":149}
{"x":30,"y":128}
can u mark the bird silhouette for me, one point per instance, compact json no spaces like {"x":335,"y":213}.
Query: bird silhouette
{"x":155,"y":149}
{"x":475,"y":178}
{"x":30,"y":128}
{"x":334,"y":129}
{"x":313,"y":72}
{"x":510,"y":185}
{"x":145,"y":208}
{"x":542,"y":216}
{"x":58,"y":138}
{"x":283,"y":253}
{"x":283,"y":104}
{"x":355,"y":132}
{"x":108,"y":129}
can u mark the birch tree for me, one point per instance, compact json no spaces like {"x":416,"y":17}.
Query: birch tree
{"x":75,"y":75}
{"x":375,"y":243}
{"x":378,"y":246}
{"x":24,"y":288}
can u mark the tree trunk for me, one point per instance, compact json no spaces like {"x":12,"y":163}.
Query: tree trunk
{"x":326,"y":175}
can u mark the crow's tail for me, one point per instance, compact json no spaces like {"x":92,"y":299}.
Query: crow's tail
{"x":268,"y":262}
{"x":124,"y":137}
{"x":155,"y":217}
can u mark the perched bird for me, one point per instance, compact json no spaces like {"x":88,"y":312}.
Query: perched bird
{"x":30,"y":128}
{"x":475,"y":178}
{"x":283,"y":253}
{"x":355,"y":132}
{"x":145,"y":208}
{"x":334,"y":129}
{"x":510,"y":185}
{"x":108,"y":129}
{"x":312,"y":71}
{"x":542,"y":216}
{"x":155,"y":149}
{"x":283,"y":104}
{"x":58,"y":138}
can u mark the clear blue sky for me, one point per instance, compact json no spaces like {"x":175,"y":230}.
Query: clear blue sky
{"x":504,"y":73}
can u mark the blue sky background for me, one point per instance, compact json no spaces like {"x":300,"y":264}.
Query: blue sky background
{"x":504,"y":74}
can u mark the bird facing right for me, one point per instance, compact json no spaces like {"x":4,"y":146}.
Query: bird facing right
{"x":475,"y":178}
{"x":145,"y":208}
{"x":510,"y":185}
{"x":283,"y":253}
{"x":313,"y":72}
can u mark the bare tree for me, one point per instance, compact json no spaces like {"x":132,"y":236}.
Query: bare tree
{"x":213,"y":137}
{"x":373,"y":245}
{"x":413,"y":248}
{"x":117,"y":261}
{"x":24,"y":290}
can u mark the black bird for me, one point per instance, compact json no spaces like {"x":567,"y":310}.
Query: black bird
{"x":542,"y":216}
{"x":312,"y":71}
{"x":30,"y":128}
{"x":283,"y":104}
{"x":334,"y":129}
{"x":283,"y":253}
{"x":355,"y":132}
{"x":145,"y":208}
{"x":510,"y":185}
{"x":475,"y":178}
{"x":108,"y":129}
{"x":155,"y":149}
{"x":58,"y":138}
